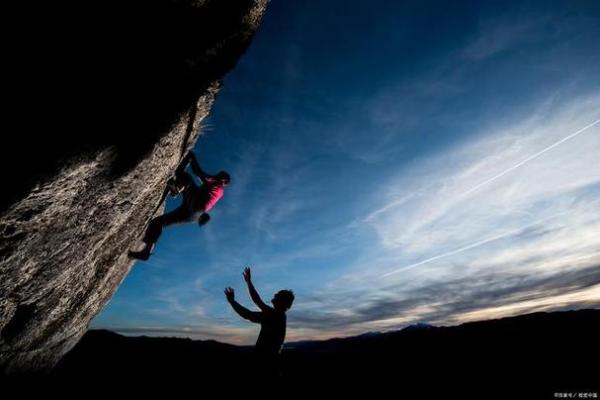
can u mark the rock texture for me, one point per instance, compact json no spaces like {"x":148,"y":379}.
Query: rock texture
{"x":110,"y":98}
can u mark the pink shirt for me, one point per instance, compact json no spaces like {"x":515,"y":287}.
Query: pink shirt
{"x":214,"y":191}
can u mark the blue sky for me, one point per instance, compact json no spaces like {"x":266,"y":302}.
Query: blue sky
{"x":392,"y":163}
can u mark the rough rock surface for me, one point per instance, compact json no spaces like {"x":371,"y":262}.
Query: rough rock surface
{"x":125,"y":106}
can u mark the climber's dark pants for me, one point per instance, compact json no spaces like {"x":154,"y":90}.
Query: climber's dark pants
{"x":189,"y":211}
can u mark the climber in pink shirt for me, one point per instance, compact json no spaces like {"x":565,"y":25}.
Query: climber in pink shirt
{"x":197,"y":201}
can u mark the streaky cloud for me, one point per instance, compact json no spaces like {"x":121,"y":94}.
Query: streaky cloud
{"x":473,"y":245}
{"x":528,"y":159}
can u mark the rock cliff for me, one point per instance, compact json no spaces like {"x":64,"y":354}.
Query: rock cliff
{"x":108,"y":97}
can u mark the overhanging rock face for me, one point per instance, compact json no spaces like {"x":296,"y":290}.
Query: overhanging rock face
{"x":112,"y":96}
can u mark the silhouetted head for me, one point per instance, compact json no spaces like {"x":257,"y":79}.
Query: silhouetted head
{"x":203,"y":219}
{"x":283,"y":300}
{"x":223,"y":177}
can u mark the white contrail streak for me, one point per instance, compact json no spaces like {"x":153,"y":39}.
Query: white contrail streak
{"x":473,"y":245}
{"x":493,"y":178}
{"x":400,"y":201}
{"x":525,"y":161}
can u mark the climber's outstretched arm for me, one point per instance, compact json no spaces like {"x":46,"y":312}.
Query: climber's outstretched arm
{"x":183,"y":164}
{"x":196,"y":168}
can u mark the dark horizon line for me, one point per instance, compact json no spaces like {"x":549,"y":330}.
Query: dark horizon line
{"x":123,"y":331}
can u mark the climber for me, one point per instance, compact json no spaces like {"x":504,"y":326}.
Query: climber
{"x":272,"y":321}
{"x":197,"y":201}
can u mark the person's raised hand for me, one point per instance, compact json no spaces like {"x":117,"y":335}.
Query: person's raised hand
{"x":247,"y":275}
{"x":230,"y":294}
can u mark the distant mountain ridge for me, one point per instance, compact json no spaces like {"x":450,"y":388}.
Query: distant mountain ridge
{"x":537,"y":354}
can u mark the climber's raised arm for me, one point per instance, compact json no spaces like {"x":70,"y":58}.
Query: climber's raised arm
{"x":199,"y":172}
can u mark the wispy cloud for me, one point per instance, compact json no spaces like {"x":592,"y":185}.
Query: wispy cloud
{"x":470,"y":246}
{"x":500,"y":34}
{"x":444,"y":201}
{"x":518,"y":242}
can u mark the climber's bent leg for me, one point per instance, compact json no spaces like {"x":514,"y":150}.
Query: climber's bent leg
{"x":155,"y":227}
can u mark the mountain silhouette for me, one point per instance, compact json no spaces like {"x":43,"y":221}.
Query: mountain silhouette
{"x":537,"y":354}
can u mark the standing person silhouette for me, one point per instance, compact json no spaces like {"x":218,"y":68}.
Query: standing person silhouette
{"x":272,"y":322}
